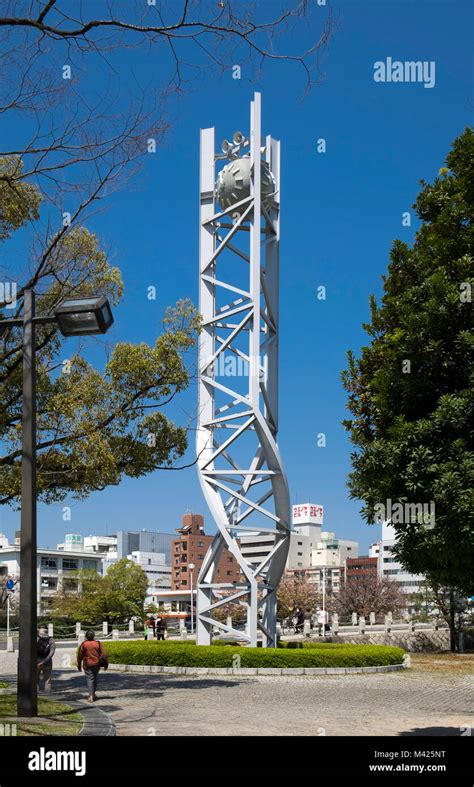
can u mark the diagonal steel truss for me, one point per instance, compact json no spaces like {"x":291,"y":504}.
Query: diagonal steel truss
{"x":239,"y":465}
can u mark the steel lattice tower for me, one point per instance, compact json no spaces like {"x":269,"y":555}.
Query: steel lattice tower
{"x":239,"y":465}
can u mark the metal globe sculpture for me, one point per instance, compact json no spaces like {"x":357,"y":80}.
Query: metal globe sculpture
{"x":233,"y":183}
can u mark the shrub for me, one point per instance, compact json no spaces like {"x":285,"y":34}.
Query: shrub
{"x":310,"y":655}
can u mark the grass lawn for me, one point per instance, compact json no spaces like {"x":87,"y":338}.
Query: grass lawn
{"x":53,"y":718}
{"x":443,"y":663}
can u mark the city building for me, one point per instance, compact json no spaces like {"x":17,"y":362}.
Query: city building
{"x":363,"y":566}
{"x":255,"y":546}
{"x":129,"y":541}
{"x":332,"y":551}
{"x":388,"y":565}
{"x":101,"y":545}
{"x":54,"y":570}
{"x":304,"y":536}
{"x":156,"y":570}
{"x":328,"y":579}
{"x":374,"y":549}
{"x":190,"y":548}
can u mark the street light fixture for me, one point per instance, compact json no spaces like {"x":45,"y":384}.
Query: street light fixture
{"x":80,"y":317}
{"x":84,"y":316}
{"x":191,"y":567}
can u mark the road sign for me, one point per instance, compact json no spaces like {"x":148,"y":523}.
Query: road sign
{"x":10,"y":584}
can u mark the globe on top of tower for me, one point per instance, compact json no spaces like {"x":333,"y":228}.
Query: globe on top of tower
{"x":233,"y":183}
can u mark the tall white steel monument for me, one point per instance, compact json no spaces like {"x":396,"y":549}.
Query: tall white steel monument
{"x":239,"y":464}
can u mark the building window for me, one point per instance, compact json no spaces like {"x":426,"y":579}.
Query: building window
{"x":184,"y":581}
{"x":300,"y":543}
{"x":300,"y":554}
{"x":200,"y":557}
{"x":184,"y":569}
{"x":229,"y":573}
{"x":69,"y":565}
{"x":48,"y":562}
{"x":200,"y":544}
{"x":48,"y":583}
{"x":90,"y":565}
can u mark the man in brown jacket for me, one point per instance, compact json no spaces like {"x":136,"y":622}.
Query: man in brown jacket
{"x":92,"y":656}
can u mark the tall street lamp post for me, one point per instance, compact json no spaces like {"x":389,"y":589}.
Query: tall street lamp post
{"x":79,"y":317}
{"x":191,"y":569}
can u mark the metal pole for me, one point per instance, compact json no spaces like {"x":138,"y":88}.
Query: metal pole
{"x":324,"y":596}
{"x":27,"y":680}
{"x":8,"y":616}
{"x":192,"y":605}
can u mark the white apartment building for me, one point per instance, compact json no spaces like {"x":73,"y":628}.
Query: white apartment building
{"x":304,"y":536}
{"x":389,"y":567}
{"x":156,"y":570}
{"x":255,"y":546}
{"x":332,"y":551}
{"x":321,"y":555}
{"x":101,"y":545}
{"x":54,"y":570}
{"x":374,"y":549}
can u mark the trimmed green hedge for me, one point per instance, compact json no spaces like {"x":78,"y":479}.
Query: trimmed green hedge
{"x":172,"y":654}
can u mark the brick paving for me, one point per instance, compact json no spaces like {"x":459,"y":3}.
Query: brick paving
{"x":401,"y":703}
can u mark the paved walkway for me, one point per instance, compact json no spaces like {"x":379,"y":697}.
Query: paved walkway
{"x":401,"y":703}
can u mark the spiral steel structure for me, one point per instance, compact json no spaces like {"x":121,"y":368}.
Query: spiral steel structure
{"x":239,"y":464}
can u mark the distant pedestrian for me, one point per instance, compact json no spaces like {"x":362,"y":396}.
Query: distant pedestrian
{"x":149,"y":627}
{"x":307,"y":623}
{"x":299,"y":621}
{"x":92,"y":656}
{"x":45,"y":648}
{"x":161,"y":627}
{"x":321,"y":618}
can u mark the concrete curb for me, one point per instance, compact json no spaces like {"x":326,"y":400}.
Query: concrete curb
{"x":246,"y":671}
{"x":96,"y":721}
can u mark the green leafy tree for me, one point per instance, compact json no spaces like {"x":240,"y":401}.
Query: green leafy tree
{"x":93,"y":427}
{"x":114,"y":598}
{"x":411,"y":389}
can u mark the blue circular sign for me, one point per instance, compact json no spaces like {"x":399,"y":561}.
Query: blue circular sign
{"x":10,"y":584}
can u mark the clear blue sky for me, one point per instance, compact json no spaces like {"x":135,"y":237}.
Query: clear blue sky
{"x":340,"y":212}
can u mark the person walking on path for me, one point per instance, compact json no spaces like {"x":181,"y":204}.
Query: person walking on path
{"x":45,"y":648}
{"x":92,"y":656}
{"x":149,"y":630}
{"x":161,"y":627}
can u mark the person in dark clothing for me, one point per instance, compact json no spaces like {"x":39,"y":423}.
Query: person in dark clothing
{"x":161,"y":627}
{"x":92,"y":656}
{"x":299,"y":621}
{"x":45,"y":648}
